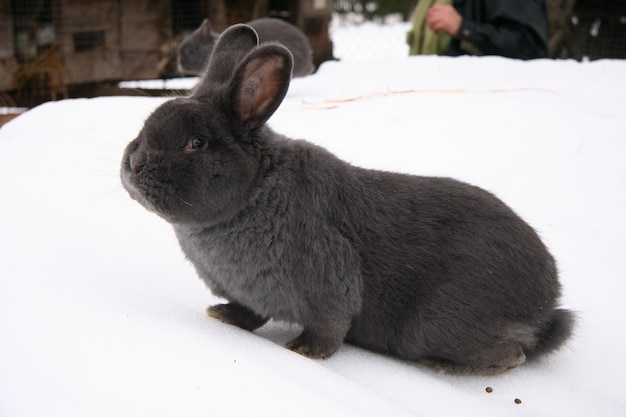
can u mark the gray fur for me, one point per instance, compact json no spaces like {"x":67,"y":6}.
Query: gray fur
{"x":195,"y":50}
{"x":428,"y":269}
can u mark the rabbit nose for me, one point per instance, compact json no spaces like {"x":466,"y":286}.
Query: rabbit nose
{"x":136,"y":163}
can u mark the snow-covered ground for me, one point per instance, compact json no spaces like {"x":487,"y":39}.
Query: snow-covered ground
{"x":100,"y":315}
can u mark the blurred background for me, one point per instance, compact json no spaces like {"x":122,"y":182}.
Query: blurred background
{"x":55,"y":49}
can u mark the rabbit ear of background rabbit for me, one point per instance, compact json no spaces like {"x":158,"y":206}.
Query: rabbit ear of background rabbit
{"x":231,"y":48}
{"x":260,"y":84}
{"x":206,"y":30}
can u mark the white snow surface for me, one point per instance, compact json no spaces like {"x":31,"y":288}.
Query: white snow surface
{"x":101,"y":315}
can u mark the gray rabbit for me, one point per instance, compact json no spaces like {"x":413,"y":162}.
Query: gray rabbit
{"x":194,"y":51}
{"x":426,"y":269}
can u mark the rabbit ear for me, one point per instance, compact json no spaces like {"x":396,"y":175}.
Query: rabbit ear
{"x":260,"y":84}
{"x":206,"y":30}
{"x":230,"y":49}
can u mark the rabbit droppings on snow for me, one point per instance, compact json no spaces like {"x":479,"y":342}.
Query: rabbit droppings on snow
{"x":427,"y":269}
{"x":194,"y":50}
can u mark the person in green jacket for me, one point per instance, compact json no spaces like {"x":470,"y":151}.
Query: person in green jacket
{"x":510,"y":28}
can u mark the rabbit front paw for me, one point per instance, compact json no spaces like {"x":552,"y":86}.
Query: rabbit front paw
{"x":315,"y":345}
{"x":237,"y":315}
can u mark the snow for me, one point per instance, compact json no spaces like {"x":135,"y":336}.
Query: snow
{"x":100,"y":315}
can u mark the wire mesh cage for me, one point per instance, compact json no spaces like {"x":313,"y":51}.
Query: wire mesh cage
{"x":598,"y":30}
{"x":50,"y":48}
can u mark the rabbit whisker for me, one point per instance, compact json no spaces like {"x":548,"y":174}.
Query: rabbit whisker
{"x":183,"y":201}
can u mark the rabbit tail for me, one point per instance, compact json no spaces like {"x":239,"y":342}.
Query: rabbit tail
{"x":553,"y":333}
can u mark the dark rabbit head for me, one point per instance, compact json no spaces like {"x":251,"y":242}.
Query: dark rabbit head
{"x":194,"y":158}
{"x":194,"y":49}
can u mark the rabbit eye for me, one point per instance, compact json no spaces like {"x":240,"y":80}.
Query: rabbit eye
{"x":196,"y":144}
